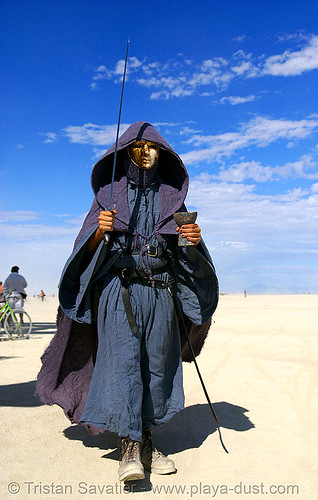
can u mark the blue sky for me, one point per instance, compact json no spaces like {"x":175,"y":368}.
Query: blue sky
{"x":232,"y":86}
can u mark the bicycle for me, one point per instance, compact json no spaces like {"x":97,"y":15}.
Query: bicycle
{"x":16,"y":322}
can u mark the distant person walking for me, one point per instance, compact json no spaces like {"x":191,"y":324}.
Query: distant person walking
{"x":1,"y":291}
{"x":42,"y":295}
{"x":13,"y":287}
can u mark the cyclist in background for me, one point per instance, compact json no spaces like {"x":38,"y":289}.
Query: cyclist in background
{"x":13,"y":288}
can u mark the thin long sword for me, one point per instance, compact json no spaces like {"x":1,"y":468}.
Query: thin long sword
{"x":111,"y":207}
{"x":175,"y":300}
{"x":194,"y":359}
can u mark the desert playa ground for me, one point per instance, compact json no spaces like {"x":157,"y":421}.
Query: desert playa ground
{"x":260,"y":368}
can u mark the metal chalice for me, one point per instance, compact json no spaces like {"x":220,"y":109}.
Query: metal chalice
{"x":182,"y":218}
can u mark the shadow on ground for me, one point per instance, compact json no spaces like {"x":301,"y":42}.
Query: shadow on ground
{"x":190,"y":427}
{"x":19,"y":395}
{"x":43,"y":328}
{"x":9,"y":357}
{"x":187,"y":429}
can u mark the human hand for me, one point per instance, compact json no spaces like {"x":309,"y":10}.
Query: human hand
{"x":190,"y":231}
{"x":106,"y":221}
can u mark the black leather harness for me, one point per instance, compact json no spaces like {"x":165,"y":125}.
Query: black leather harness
{"x":130,"y":275}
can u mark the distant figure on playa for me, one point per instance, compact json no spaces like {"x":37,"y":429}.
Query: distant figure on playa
{"x":13,"y":289}
{"x":245,"y":293}
{"x":1,"y":291}
{"x":42,"y":295}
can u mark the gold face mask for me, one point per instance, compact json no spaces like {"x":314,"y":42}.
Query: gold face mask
{"x":144,"y":154}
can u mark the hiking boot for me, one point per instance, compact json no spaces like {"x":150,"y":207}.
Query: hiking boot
{"x":130,"y":467}
{"x":152,"y":458}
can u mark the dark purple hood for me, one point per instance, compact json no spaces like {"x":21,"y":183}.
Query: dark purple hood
{"x":173,"y":177}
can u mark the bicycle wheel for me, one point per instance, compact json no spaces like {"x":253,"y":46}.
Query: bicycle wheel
{"x":15,"y":328}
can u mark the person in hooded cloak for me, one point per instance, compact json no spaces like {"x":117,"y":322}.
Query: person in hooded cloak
{"x":115,"y":362}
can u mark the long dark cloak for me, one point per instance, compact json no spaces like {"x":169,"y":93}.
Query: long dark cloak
{"x":68,"y":362}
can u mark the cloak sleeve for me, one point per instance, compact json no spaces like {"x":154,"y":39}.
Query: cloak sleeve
{"x":79,"y":278}
{"x":68,"y":362}
{"x":197,"y":292}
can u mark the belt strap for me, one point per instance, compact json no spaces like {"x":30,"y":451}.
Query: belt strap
{"x":152,"y":251}
{"x":129,"y":275}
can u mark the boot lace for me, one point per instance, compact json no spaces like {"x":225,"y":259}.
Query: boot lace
{"x":129,"y":450}
{"x":149,"y":446}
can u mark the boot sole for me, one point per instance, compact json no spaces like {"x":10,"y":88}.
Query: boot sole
{"x":132,"y":475}
{"x":160,"y":471}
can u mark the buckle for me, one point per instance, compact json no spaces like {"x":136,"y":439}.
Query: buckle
{"x":128,"y":274}
{"x":122,"y":273}
{"x":152,"y":251}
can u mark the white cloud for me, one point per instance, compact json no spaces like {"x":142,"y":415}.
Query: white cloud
{"x":251,"y":236}
{"x":22,"y":232}
{"x":89,"y":133}
{"x":245,"y":67}
{"x":239,"y":38}
{"x":40,"y":250}
{"x":180,"y":77}
{"x":257,"y":172}
{"x":185,"y":130}
{"x":212,"y":71}
{"x":150,"y":82}
{"x":18,"y":216}
{"x":77,"y":221}
{"x":293,"y":36}
{"x":98,"y":153}
{"x":255,"y":238}
{"x":260,"y":132}
{"x":40,"y":262}
{"x":134,"y":63}
{"x":166,"y":124}
{"x":50,"y":137}
{"x":151,"y":68}
{"x":246,"y":170}
{"x":174,"y":78}
{"x":104,"y":73}
{"x":293,"y":63}
{"x":99,"y":135}
{"x":177,"y":92}
{"x":234,"y":100}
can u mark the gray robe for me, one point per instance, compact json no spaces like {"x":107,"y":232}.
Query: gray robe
{"x":123,"y":382}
